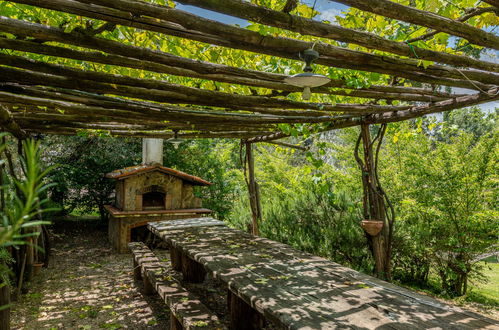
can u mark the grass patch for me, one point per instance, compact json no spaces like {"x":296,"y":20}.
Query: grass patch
{"x":486,"y":293}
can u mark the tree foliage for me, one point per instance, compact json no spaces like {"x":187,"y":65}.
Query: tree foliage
{"x":82,"y":163}
{"x":444,"y":186}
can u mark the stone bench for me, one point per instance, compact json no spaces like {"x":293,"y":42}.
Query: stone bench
{"x":187,"y":311}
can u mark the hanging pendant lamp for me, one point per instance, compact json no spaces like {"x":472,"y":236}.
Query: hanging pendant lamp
{"x":175,"y":141}
{"x":308,"y":79}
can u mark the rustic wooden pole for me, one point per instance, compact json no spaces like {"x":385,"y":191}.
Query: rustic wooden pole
{"x":308,"y":26}
{"x":253,"y":190}
{"x":374,"y":207}
{"x":30,"y":258}
{"x":425,"y":18}
{"x":4,"y":301}
{"x":8,"y":123}
{"x":258,"y":79}
{"x":243,"y":39}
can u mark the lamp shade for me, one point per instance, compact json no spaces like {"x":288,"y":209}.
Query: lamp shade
{"x":175,"y":142}
{"x":307,"y":79}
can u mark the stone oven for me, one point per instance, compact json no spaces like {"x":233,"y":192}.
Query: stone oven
{"x":150,"y":192}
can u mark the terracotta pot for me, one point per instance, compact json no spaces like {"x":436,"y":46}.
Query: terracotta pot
{"x":372,"y":227}
{"x":37,"y":267}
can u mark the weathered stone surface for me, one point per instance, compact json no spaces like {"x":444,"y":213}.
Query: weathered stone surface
{"x":149,"y":194}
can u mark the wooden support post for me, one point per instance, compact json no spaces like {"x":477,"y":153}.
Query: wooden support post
{"x":148,"y":288}
{"x":374,"y":206}
{"x":242,"y":315}
{"x":4,"y":300}
{"x":192,"y":271}
{"x":174,"y":323}
{"x":254,"y":194}
{"x":137,"y":271}
{"x":176,"y":258}
{"x":30,"y":259}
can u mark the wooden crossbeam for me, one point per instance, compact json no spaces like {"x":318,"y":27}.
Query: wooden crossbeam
{"x":414,"y":112}
{"x":494,"y":3}
{"x":306,"y":26}
{"x":58,"y":130}
{"x":8,"y":123}
{"x":176,"y":94}
{"x":151,"y":110}
{"x":239,"y":38}
{"x":473,"y":12}
{"x":51,"y":115}
{"x":173,"y":115}
{"x":425,"y":18}
{"x":180,"y":66}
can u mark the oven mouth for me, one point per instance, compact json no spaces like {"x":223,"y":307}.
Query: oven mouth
{"x":153,"y":198}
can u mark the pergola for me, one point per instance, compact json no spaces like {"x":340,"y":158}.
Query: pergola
{"x":43,"y":97}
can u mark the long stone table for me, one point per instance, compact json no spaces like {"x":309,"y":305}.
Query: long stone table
{"x":296,"y":290}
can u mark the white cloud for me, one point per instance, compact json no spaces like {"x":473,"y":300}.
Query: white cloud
{"x":330,"y":15}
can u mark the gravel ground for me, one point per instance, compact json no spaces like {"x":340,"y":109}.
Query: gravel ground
{"x":87,"y":286}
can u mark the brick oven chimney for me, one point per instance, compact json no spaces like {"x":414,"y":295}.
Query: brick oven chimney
{"x":152,"y":151}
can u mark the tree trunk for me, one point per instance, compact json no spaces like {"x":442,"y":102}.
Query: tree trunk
{"x":375,"y":208}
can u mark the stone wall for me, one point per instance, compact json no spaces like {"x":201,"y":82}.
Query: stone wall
{"x":179,"y":194}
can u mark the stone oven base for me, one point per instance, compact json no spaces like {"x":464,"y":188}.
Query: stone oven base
{"x":121,"y":223}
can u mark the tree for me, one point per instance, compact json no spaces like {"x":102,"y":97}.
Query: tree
{"x":445,"y":193}
{"x":82,"y":163}
{"x":22,"y":203}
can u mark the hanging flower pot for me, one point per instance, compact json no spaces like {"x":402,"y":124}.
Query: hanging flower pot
{"x":37,"y":267}
{"x":372,"y":227}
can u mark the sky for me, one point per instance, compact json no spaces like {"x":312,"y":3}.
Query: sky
{"x":328,"y":10}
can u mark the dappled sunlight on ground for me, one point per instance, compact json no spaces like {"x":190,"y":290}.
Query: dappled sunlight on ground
{"x":87,"y":286}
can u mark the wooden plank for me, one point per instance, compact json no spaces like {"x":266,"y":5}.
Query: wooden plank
{"x":296,"y":289}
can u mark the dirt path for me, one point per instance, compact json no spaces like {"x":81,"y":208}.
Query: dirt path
{"x":87,"y":286}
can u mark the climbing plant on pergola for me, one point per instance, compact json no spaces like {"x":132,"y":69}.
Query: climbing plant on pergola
{"x":147,"y":69}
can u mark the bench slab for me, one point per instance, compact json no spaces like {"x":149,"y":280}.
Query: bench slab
{"x":190,"y":312}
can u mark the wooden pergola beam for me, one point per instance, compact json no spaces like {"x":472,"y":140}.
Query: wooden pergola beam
{"x":209,"y":71}
{"x":174,"y":114}
{"x":8,"y":123}
{"x":57,"y":130}
{"x":425,"y":18}
{"x":33,"y":113}
{"x":288,"y":145}
{"x":477,"y":11}
{"x":178,"y":94}
{"x":452,"y":104}
{"x":239,"y":38}
{"x":306,"y":26}
{"x":494,"y":3}
{"x":244,"y":39}
{"x":414,"y":112}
